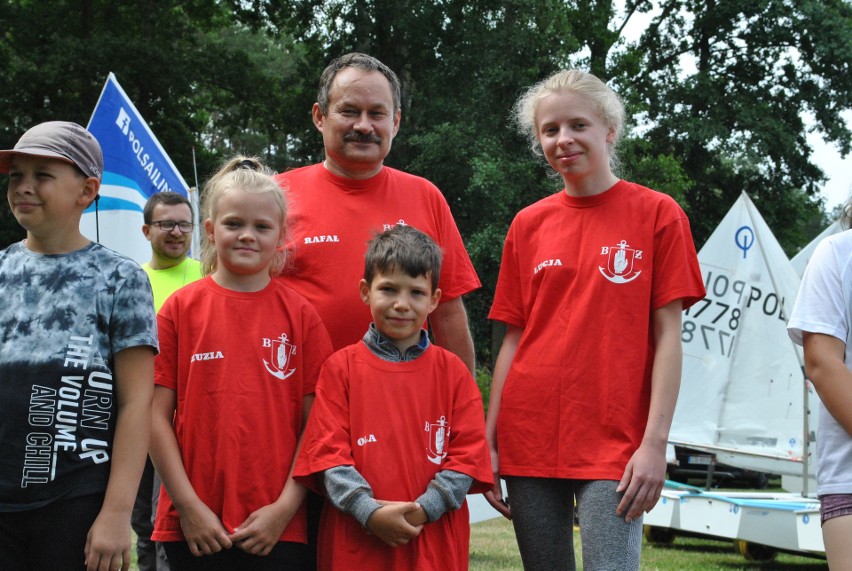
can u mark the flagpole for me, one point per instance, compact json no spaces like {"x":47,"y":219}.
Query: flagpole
{"x":98,"y":196}
{"x":194,"y":197}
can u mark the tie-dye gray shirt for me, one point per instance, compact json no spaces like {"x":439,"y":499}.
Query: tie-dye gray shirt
{"x":62,"y":320}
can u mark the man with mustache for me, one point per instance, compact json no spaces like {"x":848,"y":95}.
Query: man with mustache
{"x":339,"y":205}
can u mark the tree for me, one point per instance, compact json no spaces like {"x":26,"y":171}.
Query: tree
{"x":725,"y":89}
{"x":204,"y":81}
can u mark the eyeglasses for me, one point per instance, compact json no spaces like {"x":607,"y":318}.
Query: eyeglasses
{"x":169,"y":225}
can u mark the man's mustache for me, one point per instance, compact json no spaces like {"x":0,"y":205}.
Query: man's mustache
{"x":355,"y":137}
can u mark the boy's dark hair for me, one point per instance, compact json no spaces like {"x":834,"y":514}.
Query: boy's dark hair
{"x":404,"y":248}
{"x":168,"y":198}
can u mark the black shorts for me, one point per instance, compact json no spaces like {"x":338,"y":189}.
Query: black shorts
{"x":50,"y":537}
{"x":285,"y":556}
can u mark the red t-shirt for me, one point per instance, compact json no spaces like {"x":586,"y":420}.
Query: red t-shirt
{"x":241,"y":364}
{"x":398,"y":424}
{"x":582,"y":277}
{"x":330,"y":220}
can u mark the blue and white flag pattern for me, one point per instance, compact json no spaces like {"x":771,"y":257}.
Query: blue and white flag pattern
{"x":135,"y":167}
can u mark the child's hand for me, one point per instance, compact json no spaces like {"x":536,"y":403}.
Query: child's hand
{"x":415,"y":518}
{"x":261,"y":530}
{"x":642,"y":482}
{"x":389,"y":523}
{"x":108,"y":543}
{"x":204,"y":533}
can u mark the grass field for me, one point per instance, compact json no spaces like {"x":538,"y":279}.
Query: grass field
{"x":493,"y":548}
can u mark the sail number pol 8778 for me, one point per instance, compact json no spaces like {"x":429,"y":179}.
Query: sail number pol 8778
{"x":713,"y":322}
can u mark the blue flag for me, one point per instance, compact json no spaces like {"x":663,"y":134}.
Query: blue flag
{"x":135,"y":167}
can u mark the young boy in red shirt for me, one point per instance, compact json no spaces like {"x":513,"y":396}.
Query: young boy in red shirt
{"x":396,"y":437}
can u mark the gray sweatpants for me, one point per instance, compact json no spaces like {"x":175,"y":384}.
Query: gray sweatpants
{"x":543,"y":517}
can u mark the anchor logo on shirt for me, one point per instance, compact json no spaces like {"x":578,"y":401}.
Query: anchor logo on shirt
{"x":400,"y":222}
{"x":282,"y":353}
{"x":439,"y":433}
{"x":621,"y":260}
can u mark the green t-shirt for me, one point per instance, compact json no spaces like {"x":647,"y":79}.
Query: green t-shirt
{"x":166,"y":282}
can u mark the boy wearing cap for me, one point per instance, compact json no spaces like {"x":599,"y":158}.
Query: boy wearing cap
{"x":77,"y":345}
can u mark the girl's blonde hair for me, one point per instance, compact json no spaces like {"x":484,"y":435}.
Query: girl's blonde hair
{"x":246,"y":174}
{"x":605,"y":101}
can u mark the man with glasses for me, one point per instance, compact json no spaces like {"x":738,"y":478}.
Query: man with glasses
{"x":168,"y":226}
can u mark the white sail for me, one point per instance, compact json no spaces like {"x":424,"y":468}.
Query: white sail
{"x":800,"y":260}
{"x":743,"y":394}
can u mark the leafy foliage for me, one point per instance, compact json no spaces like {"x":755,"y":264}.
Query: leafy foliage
{"x":726,"y":87}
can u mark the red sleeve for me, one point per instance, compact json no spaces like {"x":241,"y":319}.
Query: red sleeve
{"x":468,"y":449}
{"x":326,"y":441}
{"x":319,"y":347}
{"x":458,"y":275}
{"x":508,"y":305}
{"x":677,"y":274}
{"x":166,"y":362}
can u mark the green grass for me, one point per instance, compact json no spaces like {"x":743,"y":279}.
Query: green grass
{"x":493,"y":548}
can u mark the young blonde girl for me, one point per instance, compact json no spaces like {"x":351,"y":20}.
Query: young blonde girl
{"x":240,"y":354}
{"x":591,"y":287}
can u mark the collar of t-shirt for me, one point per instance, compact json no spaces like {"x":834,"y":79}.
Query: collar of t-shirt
{"x":383,"y":348}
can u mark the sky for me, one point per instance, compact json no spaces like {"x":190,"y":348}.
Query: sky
{"x":839,"y":170}
{"x":826,"y":156}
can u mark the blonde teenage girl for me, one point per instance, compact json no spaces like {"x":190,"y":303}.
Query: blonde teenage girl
{"x":234,"y":382}
{"x":591,"y":287}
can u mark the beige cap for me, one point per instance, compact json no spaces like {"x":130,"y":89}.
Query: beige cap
{"x":59,"y":140}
